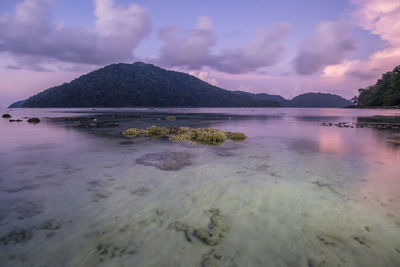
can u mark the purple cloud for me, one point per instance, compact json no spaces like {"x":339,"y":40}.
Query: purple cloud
{"x":29,"y":35}
{"x":193,"y":51}
{"x":264,"y":51}
{"x":328,"y":46}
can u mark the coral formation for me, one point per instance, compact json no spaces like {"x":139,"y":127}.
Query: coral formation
{"x":207,"y":136}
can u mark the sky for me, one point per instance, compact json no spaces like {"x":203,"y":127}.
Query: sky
{"x":272,"y":46}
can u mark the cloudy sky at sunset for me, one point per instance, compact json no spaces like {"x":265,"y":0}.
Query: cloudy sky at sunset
{"x":277,"y":47}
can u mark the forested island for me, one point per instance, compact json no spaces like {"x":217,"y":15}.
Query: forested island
{"x":146,"y":85}
{"x":385,"y":92}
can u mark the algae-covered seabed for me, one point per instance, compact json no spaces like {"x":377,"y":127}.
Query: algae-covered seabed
{"x":294,"y":193}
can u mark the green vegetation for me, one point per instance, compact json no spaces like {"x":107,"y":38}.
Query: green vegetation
{"x":386,"y":91}
{"x":207,"y":136}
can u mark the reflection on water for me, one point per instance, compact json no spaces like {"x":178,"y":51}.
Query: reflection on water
{"x":293,"y":194}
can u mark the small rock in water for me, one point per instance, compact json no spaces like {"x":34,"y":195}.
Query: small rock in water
{"x":315,"y":263}
{"x":212,"y":235}
{"x":6,"y":116}
{"x":140,"y":191}
{"x":50,"y":224}
{"x":362,"y":240}
{"x":211,"y":258}
{"x":33,"y":120}
{"x":16,"y":235}
{"x":166,"y":161}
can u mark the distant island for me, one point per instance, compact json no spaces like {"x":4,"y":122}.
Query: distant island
{"x":146,"y":85}
{"x":385,"y":93}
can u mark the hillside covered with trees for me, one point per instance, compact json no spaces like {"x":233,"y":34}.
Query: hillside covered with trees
{"x":386,"y":91}
{"x":146,"y":85}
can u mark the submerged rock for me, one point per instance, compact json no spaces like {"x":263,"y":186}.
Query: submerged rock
{"x":211,"y":235}
{"x":167,"y":161}
{"x":140,"y":191}
{"x":33,"y":120}
{"x":6,"y":116}
{"x":211,"y":258}
{"x":50,"y":224}
{"x":170,"y":118}
{"x":215,"y":231}
{"x":109,"y":251}
{"x":16,"y":235}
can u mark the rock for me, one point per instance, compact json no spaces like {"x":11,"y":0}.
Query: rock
{"x":211,"y":258}
{"x":212,"y":235}
{"x":361,"y":240}
{"x":109,"y":251}
{"x":34,"y":120}
{"x":17,"y":235}
{"x":50,"y":224}
{"x":140,"y":191}
{"x":179,"y":226}
{"x":6,"y":116}
{"x":170,"y":118}
{"x":209,"y":237}
{"x":18,"y":120}
{"x":167,"y":161}
{"x":328,"y":240}
{"x":315,"y":263}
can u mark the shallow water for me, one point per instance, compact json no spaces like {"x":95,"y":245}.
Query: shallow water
{"x":294,"y":193}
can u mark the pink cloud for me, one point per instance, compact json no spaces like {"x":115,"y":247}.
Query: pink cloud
{"x":380,"y":17}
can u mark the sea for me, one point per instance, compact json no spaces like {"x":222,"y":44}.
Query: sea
{"x":307,"y":187}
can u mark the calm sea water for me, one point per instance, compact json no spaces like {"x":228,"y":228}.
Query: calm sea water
{"x":294,"y":193}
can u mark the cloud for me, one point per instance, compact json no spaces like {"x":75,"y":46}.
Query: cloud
{"x":264,"y":51}
{"x":191,"y":51}
{"x":328,"y":46}
{"x":194,"y":50}
{"x":380,"y":17}
{"x":29,"y":34}
{"x":205,"y":76}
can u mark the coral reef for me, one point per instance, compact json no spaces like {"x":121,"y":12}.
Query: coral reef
{"x":206,"y":136}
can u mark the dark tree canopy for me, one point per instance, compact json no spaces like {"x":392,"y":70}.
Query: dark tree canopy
{"x":140,"y":85}
{"x":386,"y":91}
